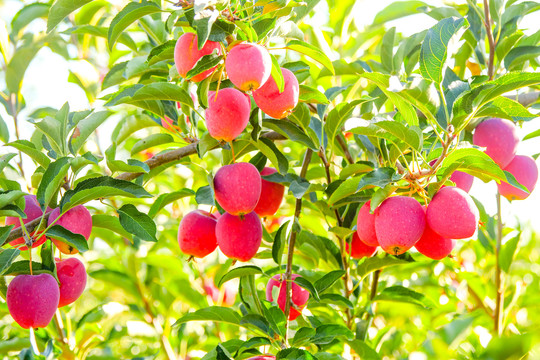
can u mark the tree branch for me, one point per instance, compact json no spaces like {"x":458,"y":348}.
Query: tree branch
{"x":292,"y":241}
{"x":487,"y":24}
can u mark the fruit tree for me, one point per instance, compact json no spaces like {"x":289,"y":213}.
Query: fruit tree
{"x":269,"y":179}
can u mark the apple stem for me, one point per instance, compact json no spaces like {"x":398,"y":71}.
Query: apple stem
{"x":290,"y":250}
{"x":33,"y":342}
{"x":497,"y":318}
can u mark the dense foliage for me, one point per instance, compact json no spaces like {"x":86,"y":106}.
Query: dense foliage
{"x":380,"y":114}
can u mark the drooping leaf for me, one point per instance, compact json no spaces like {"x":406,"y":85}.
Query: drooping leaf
{"x":137,"y":223}
{"x":62,"y":234}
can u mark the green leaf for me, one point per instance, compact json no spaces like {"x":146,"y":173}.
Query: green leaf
{"x":376,"y":263}
{"x":15,"y":70}
{"x":163,"y":52}
{"x":51,"y":181}
{"x":407,"y":135}
{"x":207,"y":62}
{"x":337,"y":117}
{"x":270,"y":150}
{"x":28,"y":14}
{"x":312,"y":52}
{"x":519,"y":55}
{"x":4,"y":160}
{"x":147,"y":96}
{"x":312,"y":95}
{"x":306,"y":284}
{"x":60,"y":9}
{"x":302,"y":336}
{"x":435,"y":47}
{"x":137,"y":223}
{"x":64,"y":235}
{"x":506,"y":108}
{"x":9,"y":197}
{"x":387,"y":49}
{"x":111,"y":223}
{"x":23,"y":268}
{"x":214,"y":314}
{"x":129,"y":14}
{"x":402,"y":294}
{"x":205,"y":196}
{"x":84,"y":129}
{"x":364,"y":351}
{"x":6,"y":258}
{"x":466,"y":107}
{"x":277,"y":74}
{"x":279,"y":243}
{"x":4,"y":233}
{"x":4,"y":131}
{"x":165,"y":199}
{"x":239,"y":272}
{"x":132,"y":165}
{"x":472,"y":161}
{"x":100,"y":187}
{"x":203,"y":22}
{"x":151,"y":141}
{"x":29,"y":149}
{"x":328,"y":280}
{"x":400,"y":100}
{"x":289,"y":130}
{"x":336,"y":299}
{"x":508,"y":250}
{"x":325,"y":334}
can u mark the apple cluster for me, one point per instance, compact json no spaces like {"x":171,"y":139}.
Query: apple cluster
{"x":245,"y":196}
{"x":401,"y":222}
{"x":248,"y":66}
{"x":500,"y":138}
{"x":32,"y":300}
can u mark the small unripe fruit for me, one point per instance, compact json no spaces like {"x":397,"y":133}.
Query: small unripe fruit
{"x":187,"y":53}
{"x":433,"y":245}
{"x":227,"y":114}
{"x":452,"y":213}
{"x":499,"y":137}
{"x":399,"y":224}
{"x":72,"y":276}
{"x":239,"y":237}
{"x":197,"y":233}
{"x":525,"y":171}
{"x":358,"y":249}
{"x":32,"y":300}
{"x":271,"y":195}
{"x":462,"y":180}
{"x":237,"y":188}
{"x":248,"y":66}
{"x":365,"y":226}
{"x":32,"y":211}
{"x":77,"y":220}
{"x":272,"y":102}
{"x":299,"y":296}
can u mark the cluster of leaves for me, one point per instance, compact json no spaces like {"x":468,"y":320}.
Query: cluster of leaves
{"x":145,"y":299}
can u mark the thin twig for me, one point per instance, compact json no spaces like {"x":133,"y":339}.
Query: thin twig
{"x":487,"y":24}
{"x":292,"y":241}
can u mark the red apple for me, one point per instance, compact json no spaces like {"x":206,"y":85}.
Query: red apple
{"x":72,"y":276}
{"x":358,"y":249}
{"x":499,"y":137}
{"x":197,"y":233}
{"x":227,"y":114}
{"x":299,"y":296}
{"x":237,"y":188}
{"x":278,"y":104}
{"x":187,"y":53}
{"x":525,"y":171}
{"x":248,"y":66}
{"x":239,"y":237}
{"x":271,"y":195}
{"x":365,"y":226}
{"x":32,"y":300}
